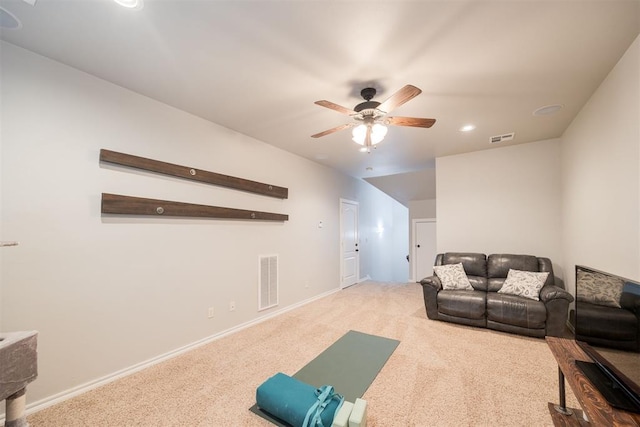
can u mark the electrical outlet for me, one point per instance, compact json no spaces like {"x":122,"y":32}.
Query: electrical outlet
{"x":210,"y":312}
{"x":232,"y":306}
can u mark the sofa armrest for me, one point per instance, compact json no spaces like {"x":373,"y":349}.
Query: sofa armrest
{"x":552,"y":292}
{"x":556,"y":300}
{"x":430,"y":288}
{"x":432,"y":281}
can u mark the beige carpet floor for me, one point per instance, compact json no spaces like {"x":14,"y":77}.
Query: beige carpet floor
{"x":441,"y":374}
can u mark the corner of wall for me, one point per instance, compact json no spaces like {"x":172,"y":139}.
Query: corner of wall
{"x":601,"y":176}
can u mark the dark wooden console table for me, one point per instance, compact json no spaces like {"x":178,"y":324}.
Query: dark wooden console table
{"x":597,"y":409}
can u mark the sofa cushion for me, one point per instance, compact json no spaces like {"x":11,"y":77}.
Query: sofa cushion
{"x":600,"y":289}
{"x":469,"y":304}
{"x":452,"y":277}
{"x":478,"y":283}
{"x":525,"y":284}
{"x":544,"y":264}
{"x":516,"y":311}
{"x":474,"y":264}
{"x":498,"y":266}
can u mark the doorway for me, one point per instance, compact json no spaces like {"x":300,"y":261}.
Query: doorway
{"x":349,"y":250}
{"x":424,"y":247}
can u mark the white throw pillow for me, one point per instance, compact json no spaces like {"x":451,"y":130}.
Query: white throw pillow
{"x":453,"y":277}
{"x":600,"y":289}
{"x":525,"y":284}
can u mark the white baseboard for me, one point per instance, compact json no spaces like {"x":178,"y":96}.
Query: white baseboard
{"x":83,"y":388}
{"x":364,"y":279}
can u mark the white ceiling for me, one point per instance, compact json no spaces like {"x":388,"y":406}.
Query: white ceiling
{"x":258,"y":66}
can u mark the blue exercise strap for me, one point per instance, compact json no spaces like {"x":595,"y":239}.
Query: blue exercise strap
{"x":325,"y":395}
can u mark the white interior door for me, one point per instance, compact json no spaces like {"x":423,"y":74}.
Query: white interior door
{"x":349,"y":251}
{"x":424,"y":248}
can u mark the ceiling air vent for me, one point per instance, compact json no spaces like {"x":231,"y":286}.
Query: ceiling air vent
{"x":502,"y":138}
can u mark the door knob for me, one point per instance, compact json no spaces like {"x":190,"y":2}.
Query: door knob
{"x":418,"y":245}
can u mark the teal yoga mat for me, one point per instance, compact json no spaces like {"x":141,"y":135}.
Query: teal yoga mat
{"x":350,"y":365}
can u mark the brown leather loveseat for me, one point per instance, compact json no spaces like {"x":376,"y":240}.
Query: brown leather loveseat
{"x":484,"y":306}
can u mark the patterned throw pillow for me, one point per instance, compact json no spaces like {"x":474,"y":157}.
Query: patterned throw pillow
{"x":525,"y":284}
{"x":453,"y":277}
{"x":600,"y":289}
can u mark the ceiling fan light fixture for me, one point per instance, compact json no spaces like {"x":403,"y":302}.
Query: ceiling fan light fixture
{"x":359,"y":133}
{"x":377,"y":132}
{"x":130,"y":4}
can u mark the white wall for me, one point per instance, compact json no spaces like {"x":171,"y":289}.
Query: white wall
{"x":107,"y":293}
{"x":601,"y":176}
{"x":384,"y":238}
{"x":503,"y":200}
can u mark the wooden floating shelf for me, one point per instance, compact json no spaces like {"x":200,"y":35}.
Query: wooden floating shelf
{"x":193,"y":174}
{"x":128,"y":205}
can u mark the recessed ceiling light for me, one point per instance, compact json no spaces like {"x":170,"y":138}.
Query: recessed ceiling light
{"x":547,"y":110}
{"x":8,"y":20}
{"x":130,"y":4}
{"x":467,"y":128}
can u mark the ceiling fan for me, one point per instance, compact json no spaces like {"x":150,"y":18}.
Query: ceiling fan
{"x":371,"y":116}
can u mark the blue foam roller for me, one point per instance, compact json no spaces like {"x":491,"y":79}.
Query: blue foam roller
{"x":289,"y":399}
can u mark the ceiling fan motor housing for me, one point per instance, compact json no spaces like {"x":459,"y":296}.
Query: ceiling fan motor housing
{"x":367,"y":93}
{"x":367,"y":105}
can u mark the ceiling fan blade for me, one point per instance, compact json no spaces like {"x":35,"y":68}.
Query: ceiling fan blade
{"x":409,"y":121}
{"x":405,"y":94}
{"x":332,"y":130}
{"x":339,"y":108}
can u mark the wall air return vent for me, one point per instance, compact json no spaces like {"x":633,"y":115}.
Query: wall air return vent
{"x":502,"y":138}
{"x":268,"y":281}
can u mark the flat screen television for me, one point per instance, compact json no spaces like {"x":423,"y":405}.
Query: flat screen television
{"x":606,"y":322}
